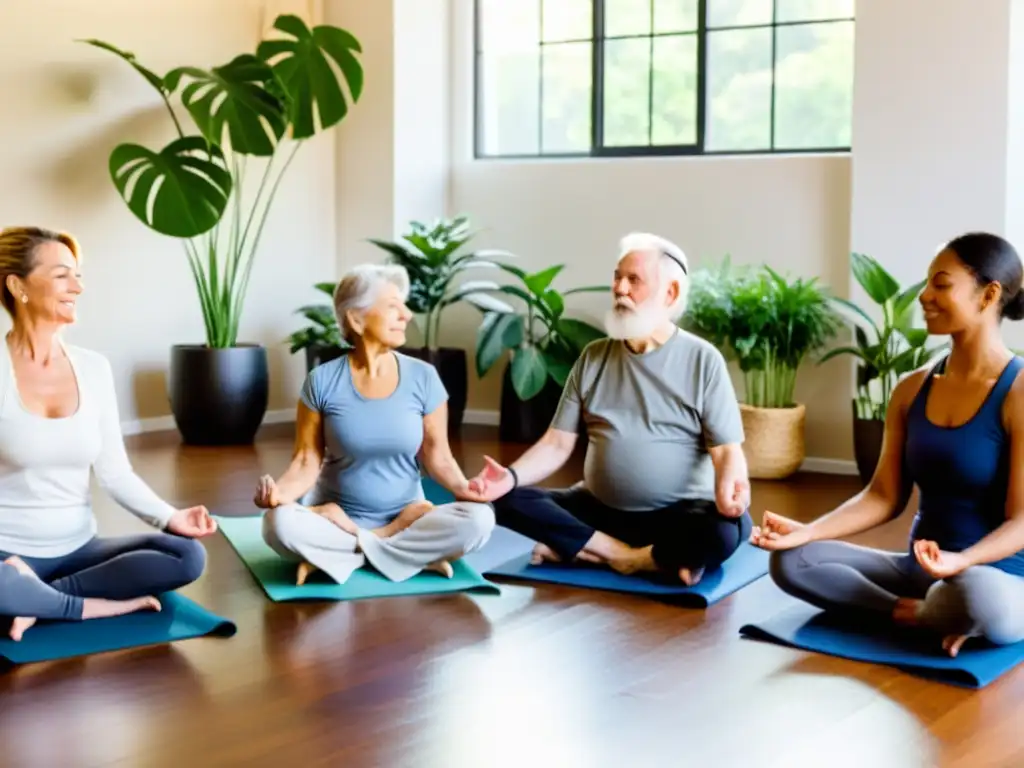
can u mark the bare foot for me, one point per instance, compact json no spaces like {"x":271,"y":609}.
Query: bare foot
{"x":951,"y":644}
{"x":21,"y":623}
{"x":98,"y":608}
{"x":634,"y":560}
{"x":443,"y":567}
{"x":906,"y":612}
{"x":542,"y":553}
{"x":691,"y":577}
{"x":304,"y":572}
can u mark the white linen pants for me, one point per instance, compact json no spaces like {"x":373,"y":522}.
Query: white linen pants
{"x":446,"y":532}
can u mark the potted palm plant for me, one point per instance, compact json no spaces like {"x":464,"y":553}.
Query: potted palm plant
{"x":255,"y":110}
{"x":894,"y":348}
{"x":769,"y":325}
{"x":541,"y":345}
{"x":432,"y":257}
{"x":320,"y":340}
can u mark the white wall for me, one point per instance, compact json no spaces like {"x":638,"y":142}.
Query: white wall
{"x":65,"y":107}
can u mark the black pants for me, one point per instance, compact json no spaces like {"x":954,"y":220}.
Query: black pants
{"x":687,"y":534}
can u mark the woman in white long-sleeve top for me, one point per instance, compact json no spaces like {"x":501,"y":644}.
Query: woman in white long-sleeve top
{"x":59,"y":420}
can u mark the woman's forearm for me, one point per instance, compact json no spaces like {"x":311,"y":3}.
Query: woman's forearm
{"x":442,"y":466}
{"x":1004,"y":541}
{"x":864,"y":511}
{"x":300,"y":476}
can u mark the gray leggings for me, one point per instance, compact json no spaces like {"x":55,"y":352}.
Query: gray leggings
{"x":981,"y":601}
{"x":116,"y":568}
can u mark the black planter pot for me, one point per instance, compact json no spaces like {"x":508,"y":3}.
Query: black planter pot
{"x":318,"y":354}
{"x":452,"y":368}
{"x":867,"y":444}
{"x":218,"y":396}
{"x":525,"y":421}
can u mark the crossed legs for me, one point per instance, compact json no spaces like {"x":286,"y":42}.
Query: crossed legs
{"x":105,"y":577}
{"x":446,"y":532}
{"x":982,"y":601}
{"x":683,"y":540}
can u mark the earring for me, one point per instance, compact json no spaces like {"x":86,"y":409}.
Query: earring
{"x":24,"y":299}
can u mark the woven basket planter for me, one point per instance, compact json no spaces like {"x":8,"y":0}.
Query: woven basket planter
{"x":774,"y":444}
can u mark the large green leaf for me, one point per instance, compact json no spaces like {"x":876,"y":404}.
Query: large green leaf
{"x":538,"y":282}
{"x":304,"y":72}
{"x":151,"y":77}
{"x":181,"y":191}
{"x":903,"y":305}
{"x":484,"y":302}
{"x":873,"y":278}
{"x":529,"y":372}
{"x":578,"y":333}
{"x":498,"y":332}
{"x":554,"y":302}
{"x":233,"y":99}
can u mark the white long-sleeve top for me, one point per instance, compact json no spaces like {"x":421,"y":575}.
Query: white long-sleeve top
{"x":45,"y":464}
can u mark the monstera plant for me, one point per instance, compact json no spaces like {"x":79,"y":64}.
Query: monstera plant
{"x":250,"y":115}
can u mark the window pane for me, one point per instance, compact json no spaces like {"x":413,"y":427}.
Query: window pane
{"x":814,"y":10}
{"x":739,"y":90}
{"x":506,"y":26}
{"x":814,"y":86}
{"x":509,"y":106}
{"x":739,"y":13}
{"x":627,"y":72}
{"x":674,"y":107}
{"x":568,"y":20}
{"x":567,"y":80}
{"x":627,"y":17}
{"x":675,"y":15}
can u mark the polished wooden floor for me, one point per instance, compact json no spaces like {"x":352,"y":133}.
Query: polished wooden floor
{"x":542,"y":676}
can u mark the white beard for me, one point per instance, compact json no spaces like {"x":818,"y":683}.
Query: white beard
{"x":639,"y":323}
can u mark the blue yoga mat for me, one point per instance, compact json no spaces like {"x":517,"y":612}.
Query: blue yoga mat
{"x":914,"y":651}
{"x":276,"y":576}
{"x":747,"y":565}
{"x":178,"y":619}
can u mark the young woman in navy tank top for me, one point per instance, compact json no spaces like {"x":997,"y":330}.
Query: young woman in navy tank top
{"x":956,"y":431}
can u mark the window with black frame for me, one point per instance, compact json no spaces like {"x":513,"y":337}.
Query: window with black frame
{"x":662,"y":77}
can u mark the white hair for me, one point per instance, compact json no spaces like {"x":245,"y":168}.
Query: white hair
{"x":360,"y":288}
{"x":673,"y":266}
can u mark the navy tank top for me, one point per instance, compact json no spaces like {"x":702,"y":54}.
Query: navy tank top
{"x":962,"y":473}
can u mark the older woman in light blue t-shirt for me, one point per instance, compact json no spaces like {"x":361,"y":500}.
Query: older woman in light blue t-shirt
{"x":352,"y":493}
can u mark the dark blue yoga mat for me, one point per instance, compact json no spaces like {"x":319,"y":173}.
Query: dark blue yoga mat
{"x":914,"y":651}
{"x":748,"y":564}
{"x":179,"y":619}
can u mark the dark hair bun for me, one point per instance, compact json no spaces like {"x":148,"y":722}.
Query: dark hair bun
{"x":1014,"y":308}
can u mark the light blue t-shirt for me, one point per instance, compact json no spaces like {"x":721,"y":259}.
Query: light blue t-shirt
{"x":370,"y":464}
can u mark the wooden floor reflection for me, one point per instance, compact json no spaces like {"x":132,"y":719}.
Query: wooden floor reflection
{"x":545,"y":676}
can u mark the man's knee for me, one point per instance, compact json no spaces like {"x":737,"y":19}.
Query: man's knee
{"x":517,"y":501}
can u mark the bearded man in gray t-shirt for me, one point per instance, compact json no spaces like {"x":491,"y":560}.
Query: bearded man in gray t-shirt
{"x":665,"y":487}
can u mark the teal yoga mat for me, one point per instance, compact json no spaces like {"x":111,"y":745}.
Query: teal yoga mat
{"x":178,"y":619}
{"x":277,"y":576}
{"x":914,"y":651}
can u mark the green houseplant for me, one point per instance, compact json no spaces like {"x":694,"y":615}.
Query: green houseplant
{"x":256,"y":109}
{"x":320,"y":340}
{"x":894,"y":348}
{"x":541,"y":345}
{"x":431,"y":254}
{"x":769,"y":325}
